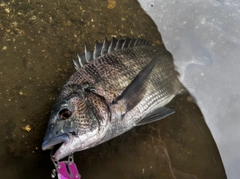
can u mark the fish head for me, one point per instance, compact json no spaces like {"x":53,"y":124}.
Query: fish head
{"x":77,"y":122}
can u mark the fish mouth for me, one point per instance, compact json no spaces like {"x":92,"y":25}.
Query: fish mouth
{"x":56,"y":142}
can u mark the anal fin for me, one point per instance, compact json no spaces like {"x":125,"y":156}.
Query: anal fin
{"x":156,"y":115}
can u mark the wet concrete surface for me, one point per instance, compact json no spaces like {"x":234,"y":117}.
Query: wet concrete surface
{"x":38,"y":40}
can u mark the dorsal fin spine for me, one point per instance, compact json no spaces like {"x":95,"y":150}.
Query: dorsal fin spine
{"x":105,"y":48}
{"x":79,"y":60}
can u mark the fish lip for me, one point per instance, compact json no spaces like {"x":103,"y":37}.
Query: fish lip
{"x":49,"y":144}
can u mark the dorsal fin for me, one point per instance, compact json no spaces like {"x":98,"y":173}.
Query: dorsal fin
{"x":97,"y":50}
{"x":88,"y":54}
{"x":79,"y":62}
{"x":112,"y":45}
{"x":132,"y":42}
{"x":119,"y":44}
{"x":105,"y":48}
{"x":126,"y":43}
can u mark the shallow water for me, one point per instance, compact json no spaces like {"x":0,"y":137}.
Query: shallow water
{"x":38,"y":40}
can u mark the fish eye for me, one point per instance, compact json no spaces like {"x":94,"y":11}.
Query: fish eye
{"x":65,"y":113}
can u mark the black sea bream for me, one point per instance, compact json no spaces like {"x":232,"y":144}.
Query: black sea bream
{"x":121,"y":84}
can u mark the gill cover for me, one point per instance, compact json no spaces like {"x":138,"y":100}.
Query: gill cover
{"x":82,"y":113}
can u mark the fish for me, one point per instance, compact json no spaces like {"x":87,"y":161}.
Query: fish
{"x":121,"y":84}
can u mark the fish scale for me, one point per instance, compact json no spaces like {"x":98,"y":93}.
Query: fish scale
{"x":123,"y":63}
{"x":121,"y":84}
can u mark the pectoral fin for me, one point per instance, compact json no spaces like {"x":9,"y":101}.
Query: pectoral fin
{"x":158,"y":114}
{"x":133,"y":94}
